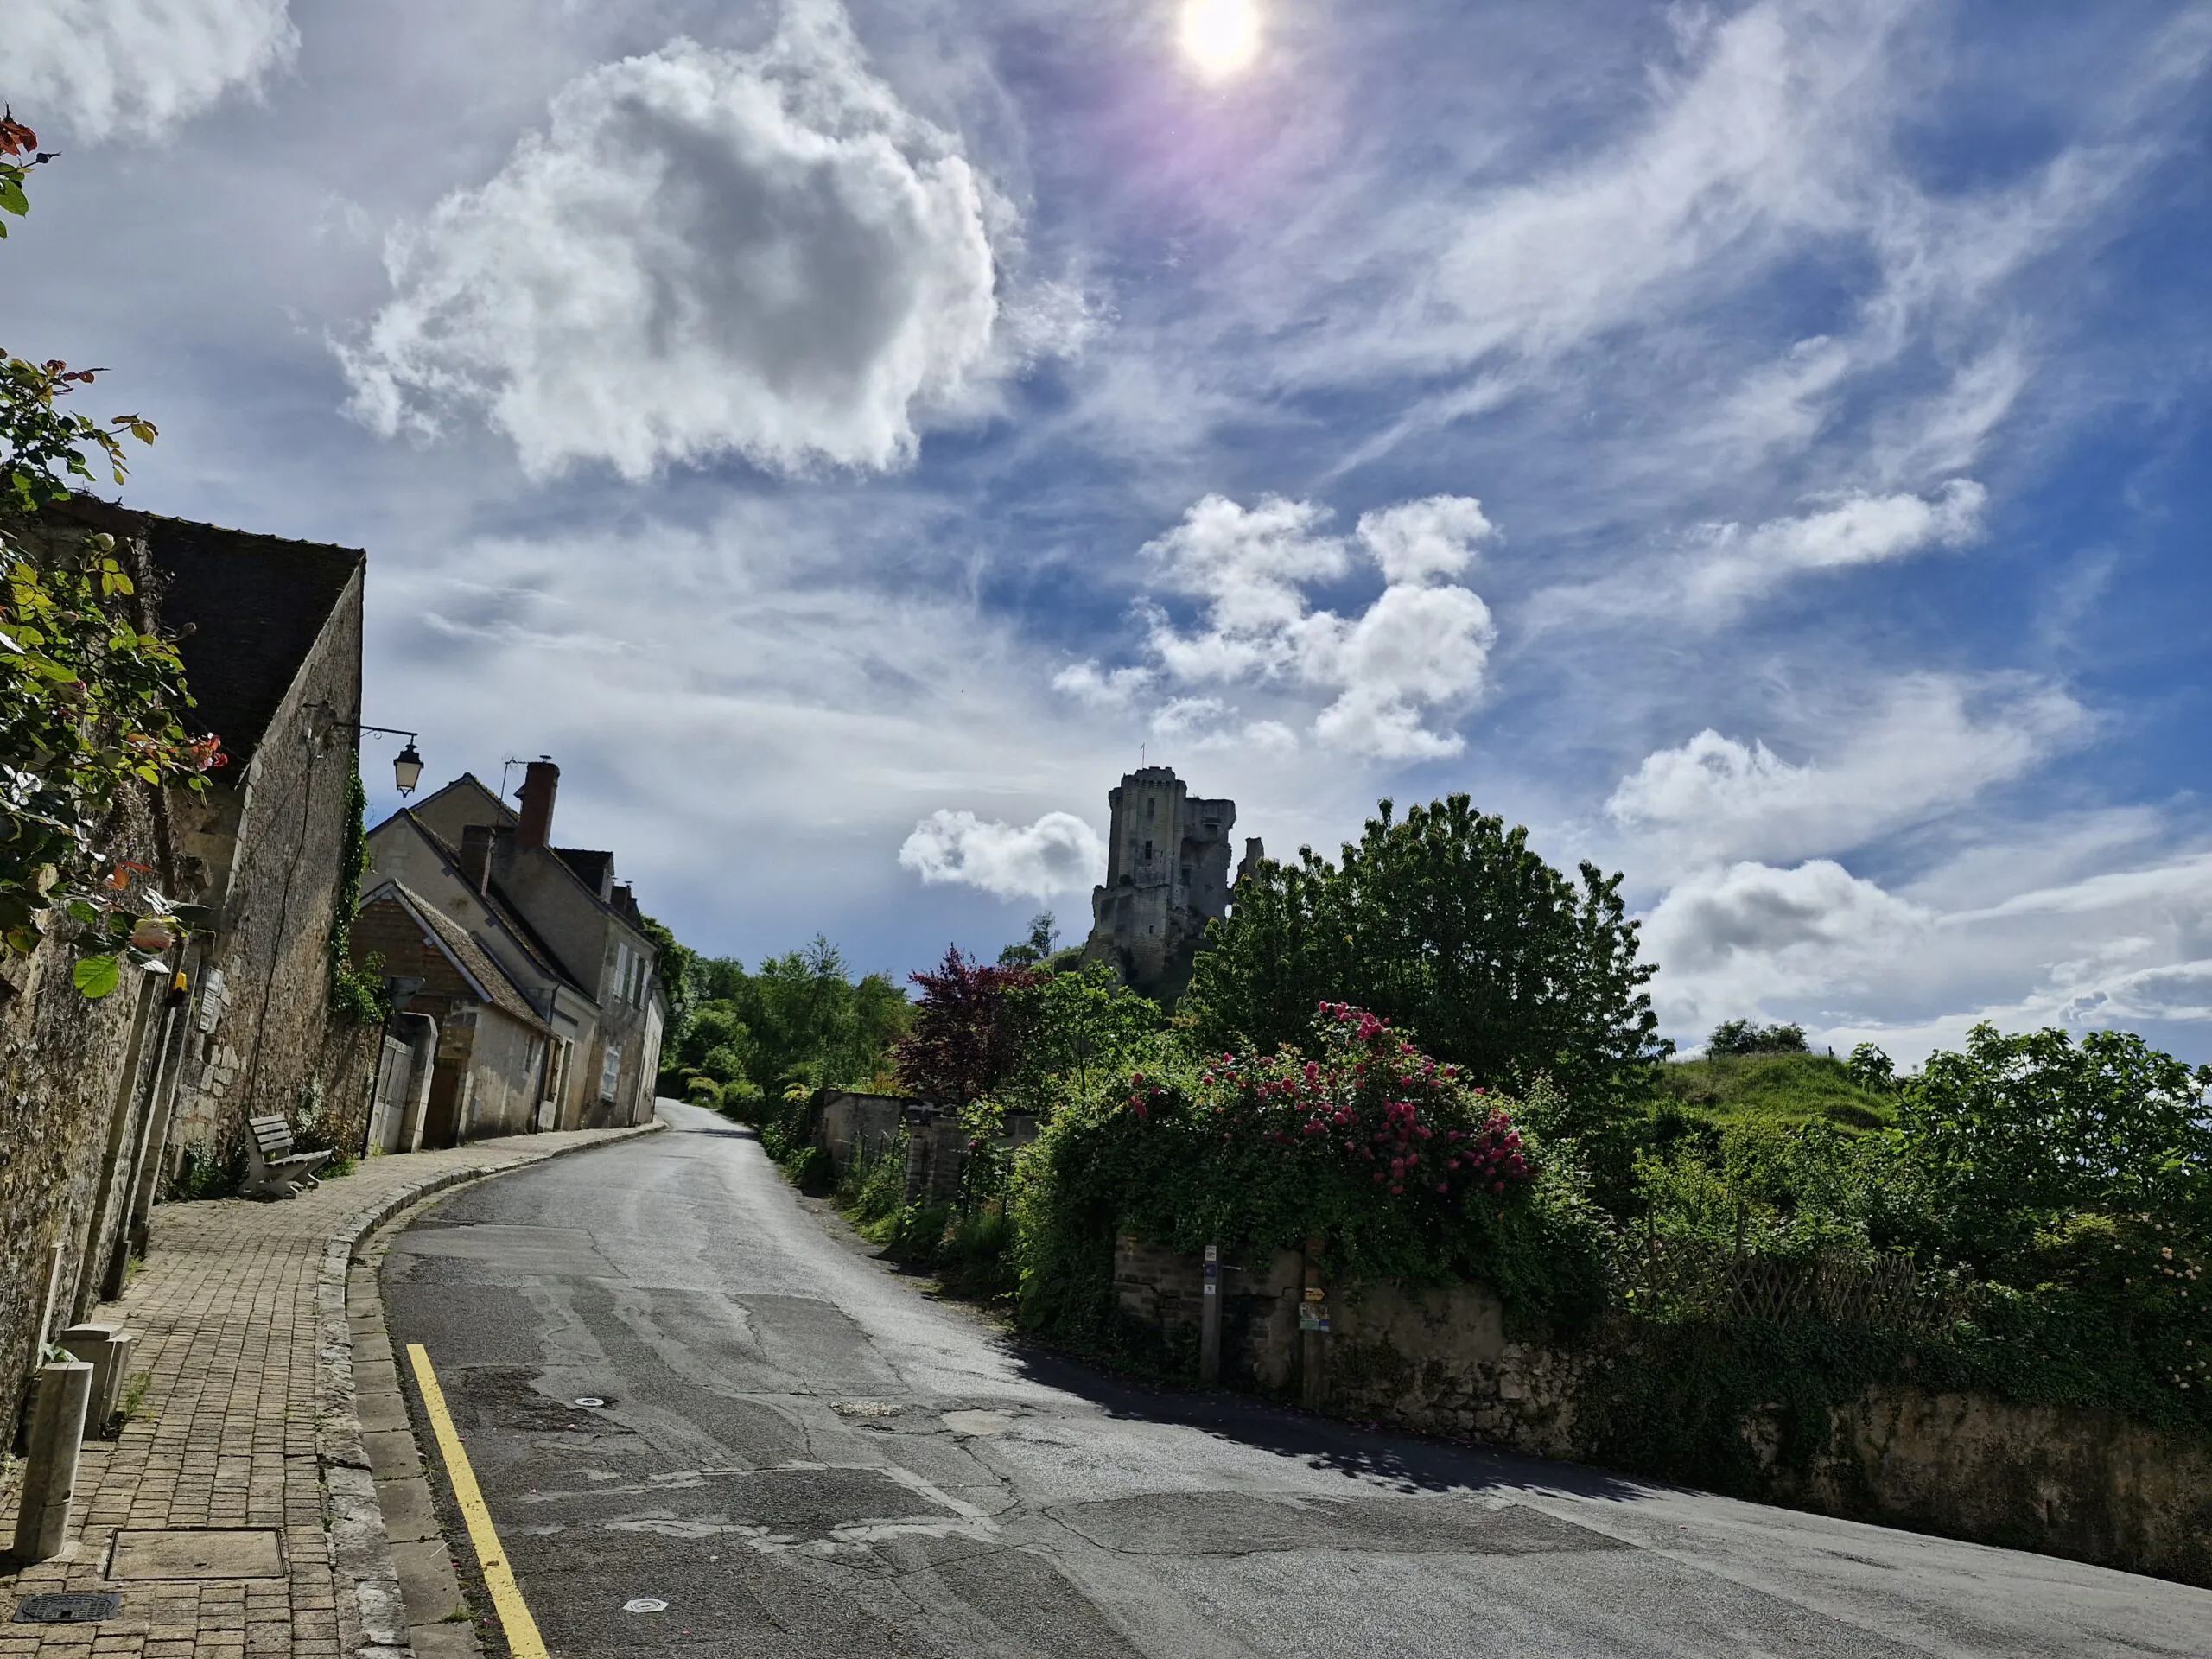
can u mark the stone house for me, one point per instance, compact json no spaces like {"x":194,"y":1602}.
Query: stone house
{"x":566,"y":936}
{"x":474,"y":1050}
{"x":100,"y":1101}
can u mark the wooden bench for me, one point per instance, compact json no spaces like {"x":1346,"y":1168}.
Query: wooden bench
{"x":273,"y":1170}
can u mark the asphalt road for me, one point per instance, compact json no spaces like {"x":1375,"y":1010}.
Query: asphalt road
{"x":802,"y":1453}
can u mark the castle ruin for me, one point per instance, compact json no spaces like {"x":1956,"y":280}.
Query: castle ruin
{"x":1167,"y":876}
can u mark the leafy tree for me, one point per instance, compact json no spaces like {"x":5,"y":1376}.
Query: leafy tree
{"x":1870,"y":1068}
{"x":2018,"y":1133}
{"x":92,"y":699}
{"x":1035,"y":950}
{"x":1447,"y":924}
{"x":802,"y":1022}
{"x":1080,"y":1029}
{"x":1743,"y":1037}
{"x":969,"y":1032}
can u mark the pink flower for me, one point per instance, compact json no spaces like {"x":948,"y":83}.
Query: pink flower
{"x":1497,"y":1186}
{"x":1396,"y":1188}
{"x":1442,"y":1187}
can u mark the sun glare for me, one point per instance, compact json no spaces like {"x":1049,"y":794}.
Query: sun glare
{"x":1220,"y":36}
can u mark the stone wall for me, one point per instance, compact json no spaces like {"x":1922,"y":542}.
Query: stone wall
{"x":2077,"y":1483}
{"x":859,"y":1125}
{"x":271,"y":845}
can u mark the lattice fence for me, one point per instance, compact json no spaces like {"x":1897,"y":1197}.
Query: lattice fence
{"x":1676,"y":1278}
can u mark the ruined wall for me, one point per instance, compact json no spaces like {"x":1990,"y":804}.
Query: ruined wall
{"x":263,"y":1038}
{"x":2082,"y":1484}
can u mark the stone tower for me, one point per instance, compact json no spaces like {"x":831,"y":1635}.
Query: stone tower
{"x":1167,"y":876}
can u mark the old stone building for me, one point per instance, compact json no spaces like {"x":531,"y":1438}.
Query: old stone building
{"x":100,"y":1100}
{"x":1167,"y":877}
{"x":566,"y":937}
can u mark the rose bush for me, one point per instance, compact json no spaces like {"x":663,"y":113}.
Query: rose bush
{"x":1406,"y":1170}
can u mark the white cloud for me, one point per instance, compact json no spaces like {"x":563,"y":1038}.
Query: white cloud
{"x":704,"y":253}
{"x":1752,"y":937}
{"x":1933,"y":744}
{"x":1421,"y":647}
{"x":1059,"y":853}
{"x":135,"y":68}
{"x":1734,"y":564}
{"x":1417,"y":540}
{"x":1100,"y":688}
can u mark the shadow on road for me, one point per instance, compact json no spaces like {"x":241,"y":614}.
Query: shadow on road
{"x":1406,"y":1462}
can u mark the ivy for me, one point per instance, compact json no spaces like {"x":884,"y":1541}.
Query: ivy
{"x":356,"y":992}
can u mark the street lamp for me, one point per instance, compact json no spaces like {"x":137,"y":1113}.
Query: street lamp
{"x":407,"y":767}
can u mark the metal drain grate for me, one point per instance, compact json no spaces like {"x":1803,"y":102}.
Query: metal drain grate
{"x":69,"y":1607}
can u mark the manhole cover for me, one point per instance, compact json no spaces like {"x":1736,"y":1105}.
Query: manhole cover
{"x":197,"y":1553}
{"x":68,"y":1607}
{"x":644,"y":1604}
{"x":589,"y":1401}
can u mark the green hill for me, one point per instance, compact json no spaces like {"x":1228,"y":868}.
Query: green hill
{"x":1776,"y":1087}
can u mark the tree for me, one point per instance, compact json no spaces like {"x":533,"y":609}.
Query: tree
{"x":1447,"y":924}
{"x":969,"y":1032}
{"x":1743,"y":1037}
{"x":2018,"y":1133}
{"x":1044,"y":929}
{"x":92,"y":698}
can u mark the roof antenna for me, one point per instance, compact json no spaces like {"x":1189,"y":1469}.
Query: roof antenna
{"x":506,"y":766}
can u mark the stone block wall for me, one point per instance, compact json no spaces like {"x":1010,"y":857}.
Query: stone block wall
{"x":857,"y":1126}
{"x":2082,"y":1484}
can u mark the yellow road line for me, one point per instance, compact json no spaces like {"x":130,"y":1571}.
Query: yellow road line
{"x":523,"y":1639}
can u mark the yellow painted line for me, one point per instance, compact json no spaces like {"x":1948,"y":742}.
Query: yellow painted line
{"x":523,"y":1639}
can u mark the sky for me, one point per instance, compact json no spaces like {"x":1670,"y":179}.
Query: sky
{"x":1762,"y":447}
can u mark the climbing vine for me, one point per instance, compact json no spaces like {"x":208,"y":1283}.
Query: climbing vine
{"x":357,"y":991}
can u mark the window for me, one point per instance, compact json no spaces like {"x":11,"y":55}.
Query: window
{"x":1147,"y":851}
{"x":610,"y":1071}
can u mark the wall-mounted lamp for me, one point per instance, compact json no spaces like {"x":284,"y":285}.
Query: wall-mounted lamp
{"x":406,"y":766}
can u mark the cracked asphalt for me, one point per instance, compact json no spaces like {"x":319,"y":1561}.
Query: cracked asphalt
{"x":801,"y":1452}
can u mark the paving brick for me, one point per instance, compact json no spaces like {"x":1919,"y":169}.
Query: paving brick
{"x":228,"y":1323}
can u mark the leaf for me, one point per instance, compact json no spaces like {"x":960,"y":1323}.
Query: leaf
{"x":81,"y":911}
{"x":12,"y":198}
{"x":96,"y":975}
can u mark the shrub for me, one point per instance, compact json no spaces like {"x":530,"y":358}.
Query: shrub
{"x":1742,"y":1036}
{"x":1406,"y":1172}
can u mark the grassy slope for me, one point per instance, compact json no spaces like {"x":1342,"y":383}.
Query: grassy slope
{"x":1777,"y":1088}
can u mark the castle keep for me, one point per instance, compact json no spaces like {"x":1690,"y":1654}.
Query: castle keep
{"x":1167,"y":876}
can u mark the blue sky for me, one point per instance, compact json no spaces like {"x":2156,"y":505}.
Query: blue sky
{"x":1761,"y":447}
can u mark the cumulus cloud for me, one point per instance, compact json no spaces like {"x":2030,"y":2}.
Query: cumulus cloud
{"x":1732,"y":564}
{"x":1755,"y":939}
{"x":704,"y":253}
{"x":136,"y":68}
{"x":1934,"y":743}
{"x":1059,"y":853}
{"x":1422,"y":646}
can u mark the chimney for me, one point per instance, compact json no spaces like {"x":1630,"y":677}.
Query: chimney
{"x":541,"y":781}
{"x":476,"y":855}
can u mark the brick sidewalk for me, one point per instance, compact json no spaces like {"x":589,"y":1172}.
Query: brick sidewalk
{"x":250,"y":1421}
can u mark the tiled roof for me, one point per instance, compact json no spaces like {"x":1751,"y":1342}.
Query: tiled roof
{"x":474,"y":959}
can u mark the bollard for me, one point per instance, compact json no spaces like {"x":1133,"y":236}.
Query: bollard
{"x":106,"y":1347}
{"x":65,"y":1388}
{"x":1209,"y":1320}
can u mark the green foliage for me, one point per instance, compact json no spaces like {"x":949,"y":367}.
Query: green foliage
{"x":1036,"y":949}
{"x":1082,"y":1030}
{"x":200,"y":1174}
{"x":1776,"y":1086}
{"x":91,"y":699}
{"x":1448,"y":925}
{"x":2049,"y":1203}
{"x":357,"y":989}
{"x":1742,"y":1036}
{"x":802,"y":1020}
{"x":1409,"y":1173}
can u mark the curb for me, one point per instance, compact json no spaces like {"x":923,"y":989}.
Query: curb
{"x":372,"y":1617}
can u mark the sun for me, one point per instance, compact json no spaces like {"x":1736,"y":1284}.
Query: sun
{"x":1219,"y":36}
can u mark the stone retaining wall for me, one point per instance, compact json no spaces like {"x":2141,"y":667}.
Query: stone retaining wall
{"x":2082,"y":1484}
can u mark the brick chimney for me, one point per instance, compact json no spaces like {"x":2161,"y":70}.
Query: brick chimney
{"x":476,"y":855}
{"x":541,"y":781}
